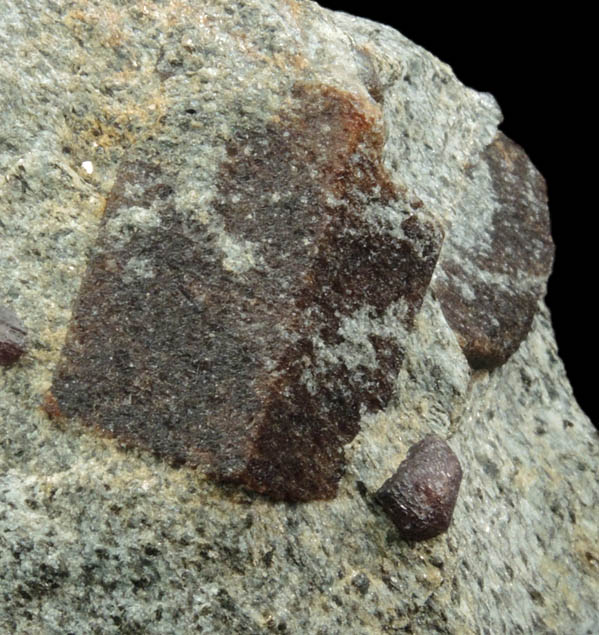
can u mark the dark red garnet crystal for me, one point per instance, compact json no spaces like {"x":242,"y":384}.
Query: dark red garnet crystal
{"x":420,"y":497}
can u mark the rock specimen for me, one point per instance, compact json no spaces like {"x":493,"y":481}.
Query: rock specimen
{"x":421,"y":495}
{"x":281,"y":245}
{"x":12,"y":336}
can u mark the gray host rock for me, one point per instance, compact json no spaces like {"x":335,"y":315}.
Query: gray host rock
{"x":260,"y":249}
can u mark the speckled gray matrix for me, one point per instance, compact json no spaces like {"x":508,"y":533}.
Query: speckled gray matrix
{"x":143,"y":141}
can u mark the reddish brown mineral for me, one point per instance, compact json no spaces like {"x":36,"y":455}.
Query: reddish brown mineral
{"x":490,"y":290}
{"x":252,"y":369}
{"x":12,"y":336}
{"x":420,"y":497}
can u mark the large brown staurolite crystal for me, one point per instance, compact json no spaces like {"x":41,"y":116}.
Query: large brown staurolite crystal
{"x":258,"y":370}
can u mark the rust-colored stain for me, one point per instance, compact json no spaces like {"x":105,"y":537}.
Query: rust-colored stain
{"x":50,"y":406}
{"x":239,"y":372}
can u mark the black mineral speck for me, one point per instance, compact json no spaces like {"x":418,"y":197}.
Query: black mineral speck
{"x":420,"y":497}
{"x":12,"y":336}
{"x":361,"y":582}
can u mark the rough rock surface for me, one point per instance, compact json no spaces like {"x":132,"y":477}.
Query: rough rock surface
{"x":142,"y":142}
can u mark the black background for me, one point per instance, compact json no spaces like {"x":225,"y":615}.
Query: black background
{"x":538,"y":67}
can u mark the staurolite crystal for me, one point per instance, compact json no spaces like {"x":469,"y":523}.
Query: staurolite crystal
{"x":246,"y":329}
{"x":250,"y":341}
{"x":12,"y":336}
{"x":491,"y":275}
